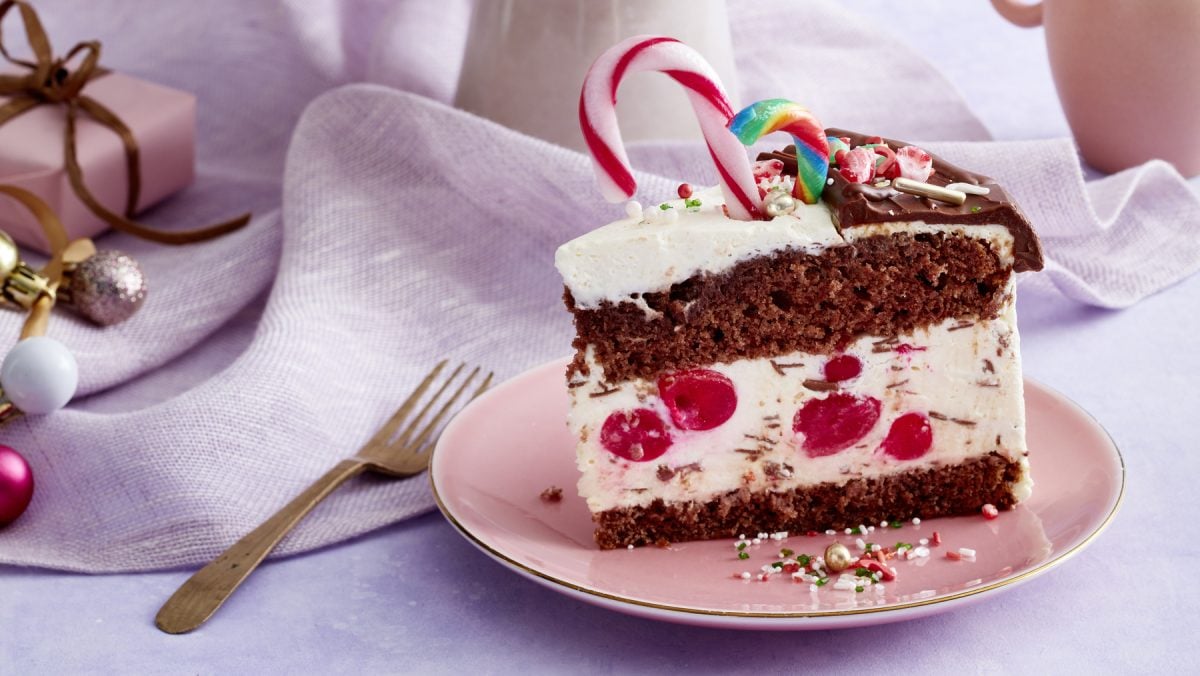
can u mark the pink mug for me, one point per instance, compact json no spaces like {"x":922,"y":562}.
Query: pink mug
{"x":1128,"y":76}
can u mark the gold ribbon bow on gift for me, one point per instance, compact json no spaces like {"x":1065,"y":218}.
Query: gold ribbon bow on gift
{"x":51,"y":82}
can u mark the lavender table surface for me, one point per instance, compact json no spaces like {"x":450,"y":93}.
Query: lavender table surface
{"x":418,"y":598}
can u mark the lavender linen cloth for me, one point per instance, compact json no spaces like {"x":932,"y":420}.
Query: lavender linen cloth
{"x":392,"y":230}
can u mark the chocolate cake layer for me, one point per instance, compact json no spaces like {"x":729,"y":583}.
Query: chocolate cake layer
{"x":881,"y":286}
{"x":926,"y":493}
{"x":858,"y":204}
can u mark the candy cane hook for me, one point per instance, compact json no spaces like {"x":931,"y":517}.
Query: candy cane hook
{"x":598,"y":118}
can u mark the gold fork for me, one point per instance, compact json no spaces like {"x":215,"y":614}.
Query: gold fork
{"x":387,"y":453}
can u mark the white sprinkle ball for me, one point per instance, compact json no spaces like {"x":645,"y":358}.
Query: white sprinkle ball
{"x":967,"y":552}
{"x":829,"y":182}
{"x":875,"y":548}
{"x":633,"y":209}
{"x":849,"y":531}
{"x":916,"y":521}
{"x":860,"y":544}
{"x":923,"y":541}
{"x":746,"y":575}
{"x":883,"y":524}
{"x":629,"y":547}
{"x":831,"y":532}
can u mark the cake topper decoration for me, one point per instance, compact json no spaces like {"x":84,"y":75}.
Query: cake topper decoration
{"x":598,"y":118}
{"x":812,"y":148}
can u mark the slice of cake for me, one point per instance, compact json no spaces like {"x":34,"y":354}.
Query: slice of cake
{"x":854,"y":361}
{"x":820,"y":365}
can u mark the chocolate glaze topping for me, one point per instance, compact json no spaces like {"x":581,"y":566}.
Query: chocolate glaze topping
{"x":861,"y":204}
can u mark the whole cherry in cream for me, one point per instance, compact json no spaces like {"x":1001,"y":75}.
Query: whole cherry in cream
{"x":699,"y":399}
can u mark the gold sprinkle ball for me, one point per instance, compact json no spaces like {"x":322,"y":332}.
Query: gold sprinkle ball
{"x":837,"y":558}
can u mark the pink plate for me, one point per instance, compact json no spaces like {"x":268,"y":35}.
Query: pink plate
{"x":500,"y":453}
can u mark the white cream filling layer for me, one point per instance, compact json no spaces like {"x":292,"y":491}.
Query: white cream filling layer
{"x":649,"y":254}
{"x":965,"y":377}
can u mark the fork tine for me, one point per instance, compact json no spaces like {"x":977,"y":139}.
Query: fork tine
{"x":389,"y":428}
{"x":420,"y":440}
{"x":487,"y":382}
{"x":416,"y":421}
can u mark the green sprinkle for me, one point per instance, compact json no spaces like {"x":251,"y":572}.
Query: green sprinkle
{"x":664,"y":206}
{"x":859,"y":588}
{"x":869,"y":546}
{"x":903,"y":545}
{"x":786,"y":553}
{"x":743,"y":555}
{"x":862,"y":572}
{"x":741,"y":545}
{"x":976,"y":209}
{"x":896,"y":524}
{"x":856,"y":531}
{"x":777,"y":565}
{"x":821,"y":582}
{"x":693,"y":203}
{"x":804,"y":559}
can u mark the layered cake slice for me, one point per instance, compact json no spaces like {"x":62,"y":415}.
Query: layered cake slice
{"x":818,"y":365}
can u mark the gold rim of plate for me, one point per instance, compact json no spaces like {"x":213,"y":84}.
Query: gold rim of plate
{"x":818,"y":613}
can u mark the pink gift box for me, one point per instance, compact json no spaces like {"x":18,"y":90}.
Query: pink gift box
{"x":163,"y":121}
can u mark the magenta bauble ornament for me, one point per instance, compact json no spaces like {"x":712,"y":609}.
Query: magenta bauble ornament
{"x":16,"y":485}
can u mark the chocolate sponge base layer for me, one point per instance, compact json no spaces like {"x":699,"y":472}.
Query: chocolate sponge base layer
{"x":927,"y":493}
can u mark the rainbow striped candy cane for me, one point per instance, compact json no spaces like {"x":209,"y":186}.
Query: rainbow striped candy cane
{"x":598,"y":118}
{"x":812,"y":147}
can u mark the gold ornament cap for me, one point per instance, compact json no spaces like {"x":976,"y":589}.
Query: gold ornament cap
{"x":10,"y":256}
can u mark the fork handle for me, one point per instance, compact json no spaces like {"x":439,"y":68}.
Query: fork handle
{"x":198,"y":598}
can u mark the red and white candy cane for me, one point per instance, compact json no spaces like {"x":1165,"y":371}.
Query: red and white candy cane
{"x":598,"y":118}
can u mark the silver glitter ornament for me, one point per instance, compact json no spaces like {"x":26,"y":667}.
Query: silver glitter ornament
{"x":107,"y":287}
{"x":778,"y":203}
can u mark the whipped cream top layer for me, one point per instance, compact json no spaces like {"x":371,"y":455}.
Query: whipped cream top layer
{"x":650,"y":252}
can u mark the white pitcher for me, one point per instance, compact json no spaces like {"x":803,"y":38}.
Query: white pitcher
{"x":525,"y":61}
